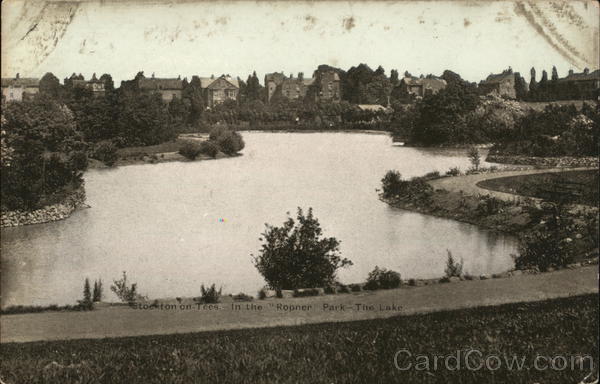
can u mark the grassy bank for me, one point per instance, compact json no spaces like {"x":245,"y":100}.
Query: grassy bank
{"x":576,"y":187}
{"x":353,"y":352}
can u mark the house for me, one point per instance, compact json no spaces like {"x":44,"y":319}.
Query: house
{"x":167,"y":88}
{"x":98,"y":87}
{"x":419,"y":87}
{"x":502,"y":84}
{"x":19,"y":88}
{"x":292,"y":88}
{"x":584,"y":85}
{"x":329,"y":87}
{"x":218,"y":90}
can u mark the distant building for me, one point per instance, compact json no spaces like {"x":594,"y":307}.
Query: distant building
{"x":167,"y":88}
{"x":329,"y":86}
{"x":502,"y":84}
{"x":292,"y":88}
{"x":98,"y":87}
{"x":584,"y":85}
{"x":19,"y":88}
{"x":419,"y":87}
{"x":218,"y":90}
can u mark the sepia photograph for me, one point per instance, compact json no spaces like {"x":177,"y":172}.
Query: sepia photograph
{"x":312,"y":191}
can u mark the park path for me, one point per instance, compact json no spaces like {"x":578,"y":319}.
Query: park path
{"x":120,"y":321}
{"x":468,"y":183}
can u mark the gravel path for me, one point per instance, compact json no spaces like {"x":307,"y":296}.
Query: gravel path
{"x":125,"y":321}
{"x":468,"y":183}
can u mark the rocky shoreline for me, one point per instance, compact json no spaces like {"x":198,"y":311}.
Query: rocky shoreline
{"x":554,"y":162}
{"x":49,"y":213}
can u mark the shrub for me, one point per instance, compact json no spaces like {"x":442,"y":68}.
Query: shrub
{"x":209,"y":148}
{"x":190,"y":150}
{"x":295,"y":255}
{"x":210,"y":295}
{"x":330,"y":290}
{"x":306,"y":292}
{"x":106,"y":152}
{"x":454,"y":171}
{"x":343,"y":289}
{"x":279,"y":293}
{"x":453,"y":268}
{"x":242,"y":297}
{"x":229,"y":141}
{"x":412,"y":282}
{"x":127,"y":294}
{"x":262,"y":294}
{"x":382,"y":279}
{"x":489,"y":205}
{"x":444,"y":280}
{"x":474,"y":157}
{"x":544,"y":249}
{"x":355,"y":287}
{"x":432,"y":175}
{"x":391,"y":183}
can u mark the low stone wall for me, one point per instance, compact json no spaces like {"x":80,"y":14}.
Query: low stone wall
{"x":47,"y":214}
{"x":560,"y":162}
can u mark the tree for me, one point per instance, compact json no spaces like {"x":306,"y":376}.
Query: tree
{"x":97,"y":294}
{"x":50,"y":86}
{"x":394,"y":77}
{"x":127,"y":294}
{"x":87,"y":302}
{"x":453,"y":268}
{"x":296,"y":255}
{"x":192,"y":97}
{"x":532,"y":81}
{"x":229,"y":142}
{"x":520,"y":87}
{"x":554,"y":73}
{"x":474,"y":157}
{"x":253,"y":88}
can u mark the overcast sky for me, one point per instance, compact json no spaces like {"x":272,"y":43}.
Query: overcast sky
{"x":472,"y":38}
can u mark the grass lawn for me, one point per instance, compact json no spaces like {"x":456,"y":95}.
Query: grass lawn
{"x":578,"y":187}
{"x":353,"y":352}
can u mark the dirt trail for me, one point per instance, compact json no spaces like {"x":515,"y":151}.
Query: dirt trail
{"x":468,"y":183}
{"x":125,"y":321}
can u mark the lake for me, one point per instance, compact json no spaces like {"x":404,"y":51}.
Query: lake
{"x":173,"y":226}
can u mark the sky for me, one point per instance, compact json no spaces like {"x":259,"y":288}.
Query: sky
{"x":472,"y":38}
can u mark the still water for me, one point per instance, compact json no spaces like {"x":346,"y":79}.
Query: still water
{"x":173,"y":226}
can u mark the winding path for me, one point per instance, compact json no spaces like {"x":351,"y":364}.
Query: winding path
{"x":468,"y":183}
{"x":124,"y":321}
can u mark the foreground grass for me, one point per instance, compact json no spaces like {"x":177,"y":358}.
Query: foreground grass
{"x":353,"y":352}
{"x":576,"y":187}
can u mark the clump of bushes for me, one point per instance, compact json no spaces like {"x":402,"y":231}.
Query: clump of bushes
{"x":454,"y":171}
{"x":343,"y":289}
{"x":106,"y":152}
{"x":416,"y":189}
{"x":262,"y":294}
{"x":209,"y":148}
{"x":190,"y":150}
{"x":543,"y":250}
{"x":230,"y":142}
{"x":330,"y":290}
{"x":306,"y":292}
{"x":242,"y":297}
{"x":210,"y":295}
{"x":381,"y":278}
{"x":432,"y":175}
{"x":490,"y":205}
{"x":355,"y":287}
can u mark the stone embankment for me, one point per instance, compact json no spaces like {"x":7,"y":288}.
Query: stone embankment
{"x":555,"y":162}
{"x":54,"y":212}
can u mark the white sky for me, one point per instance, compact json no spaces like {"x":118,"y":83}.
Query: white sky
{"x":472,"y":38}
